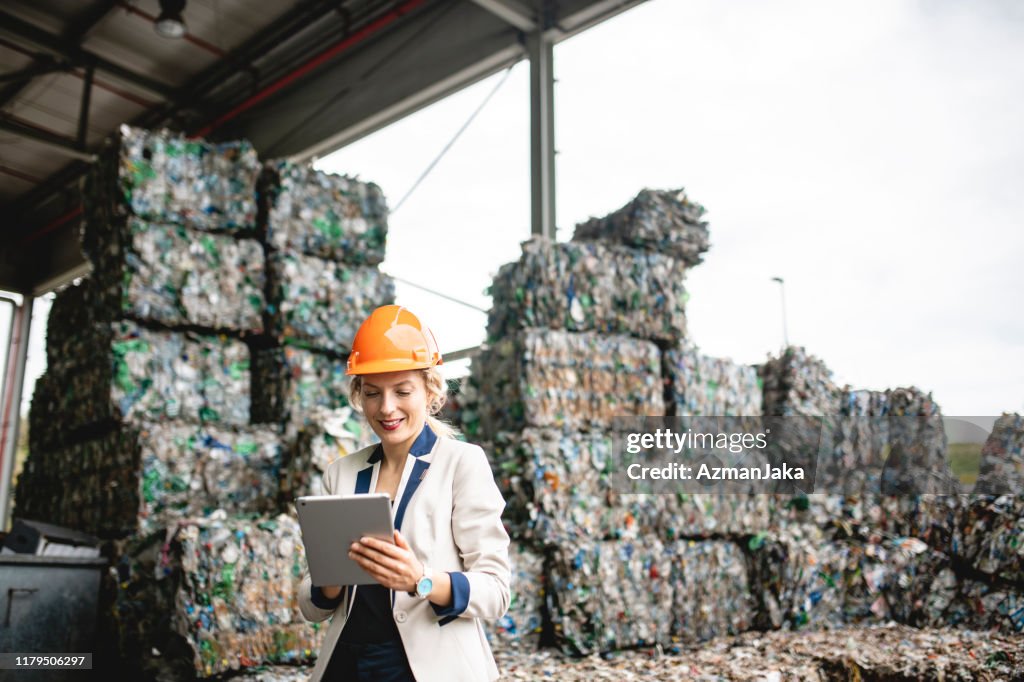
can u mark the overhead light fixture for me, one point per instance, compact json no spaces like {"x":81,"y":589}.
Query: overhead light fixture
{"x":170,"y":23}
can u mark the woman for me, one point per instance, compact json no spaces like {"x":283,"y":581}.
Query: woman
{"x":448,"y":568}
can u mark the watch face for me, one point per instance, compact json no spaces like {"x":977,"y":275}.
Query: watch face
{"x":424,"y":586}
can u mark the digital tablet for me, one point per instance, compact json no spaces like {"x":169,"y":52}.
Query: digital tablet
{"x":330,"y":523}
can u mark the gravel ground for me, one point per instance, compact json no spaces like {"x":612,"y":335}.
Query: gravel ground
{"x":891,"y":653}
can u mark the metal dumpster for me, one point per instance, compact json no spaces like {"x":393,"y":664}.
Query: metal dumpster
{"x":48,"y":606}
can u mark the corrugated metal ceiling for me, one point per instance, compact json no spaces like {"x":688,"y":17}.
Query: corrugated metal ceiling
{"x":296,"y":78}
{"x":58,"y":40}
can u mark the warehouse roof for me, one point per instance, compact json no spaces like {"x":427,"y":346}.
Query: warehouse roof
{"x":297,"y":79}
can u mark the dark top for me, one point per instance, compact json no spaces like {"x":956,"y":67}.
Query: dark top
{"x":371,"y":620}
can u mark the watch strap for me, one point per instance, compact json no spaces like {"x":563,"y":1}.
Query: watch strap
{"x":425,"y":576}
{"x":415,"y":586}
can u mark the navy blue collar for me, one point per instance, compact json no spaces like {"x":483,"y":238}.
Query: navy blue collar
{"x":423,"y":444}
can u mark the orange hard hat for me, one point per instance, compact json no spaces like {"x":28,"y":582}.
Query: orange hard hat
{"x":392,"y":339}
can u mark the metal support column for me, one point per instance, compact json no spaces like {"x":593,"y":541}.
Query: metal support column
{"x":10,"y":401}
{"x":83,"y":113}
{"x":542,"y":133}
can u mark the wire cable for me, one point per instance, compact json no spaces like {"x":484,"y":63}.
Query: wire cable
{"x":448,"y":146}
{"x":438,"y":293}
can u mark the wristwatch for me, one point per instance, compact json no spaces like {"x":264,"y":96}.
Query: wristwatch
{"x":424,"y":585}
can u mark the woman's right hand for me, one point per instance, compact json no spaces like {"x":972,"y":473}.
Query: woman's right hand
{"x":331,"y":591}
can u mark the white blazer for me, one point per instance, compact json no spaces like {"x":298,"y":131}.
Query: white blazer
{"x":449,"y":510}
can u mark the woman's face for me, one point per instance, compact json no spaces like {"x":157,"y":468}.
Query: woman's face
{"x":395,"y":404}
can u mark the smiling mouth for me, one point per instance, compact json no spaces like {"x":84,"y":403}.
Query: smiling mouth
{"x":391,"y":424}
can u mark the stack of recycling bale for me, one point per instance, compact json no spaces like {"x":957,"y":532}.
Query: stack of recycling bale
{"x":142,"y":399}
{"x":142,"y":423}
{"x":712,"y":585}
{"x":802,"y":575}
{"x":325,"y":237}
{"x":711,"y":582}
{"x":619,"y":570}
{"x":858,"y":441}
{"x":887,"y":537}
{"x":885,"y":442}
{"x":577,"y":334}
{"x":980,"y":583}
{"x":151,"y":430}
{"x":970,"y":577}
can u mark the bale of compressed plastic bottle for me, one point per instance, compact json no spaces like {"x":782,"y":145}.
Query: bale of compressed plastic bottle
{"x":289,"y":383}
{"x":662,"y":221}
{"x":589,"y":286}
{"x":319,"y":303}
{"x":554,"y":378}
{"x":110,"y":373}
{"x":214,"y":596}
{"x":143,"y":475}
{"x":334,"y":217}
{"x":164,"y":177}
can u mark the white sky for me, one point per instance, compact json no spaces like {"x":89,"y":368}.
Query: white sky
{"x":870,"y":153}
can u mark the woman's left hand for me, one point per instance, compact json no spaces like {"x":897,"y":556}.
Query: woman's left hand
{"x":392,"y":565}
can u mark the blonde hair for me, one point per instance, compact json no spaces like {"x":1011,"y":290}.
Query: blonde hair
{"x":437,"y":395}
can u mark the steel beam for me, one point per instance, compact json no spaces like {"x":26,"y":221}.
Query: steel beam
{"x":10,"y":401}
{"x":15,"y":173}
{"x":26,"y":32}
{"x":45,"y":191}
{"x":402,"y":108}
{"x":83,"y":113}
{"x":20,"y":80}
{"x":594,"y":13}
{"x":36,"y":68}
{"x":462,"y":354}
{"x":511,"y":12}
{"x":65,"y":145}
{"x":542,"y":134}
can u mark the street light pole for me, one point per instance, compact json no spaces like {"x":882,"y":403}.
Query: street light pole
{"x":782,"y":294}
